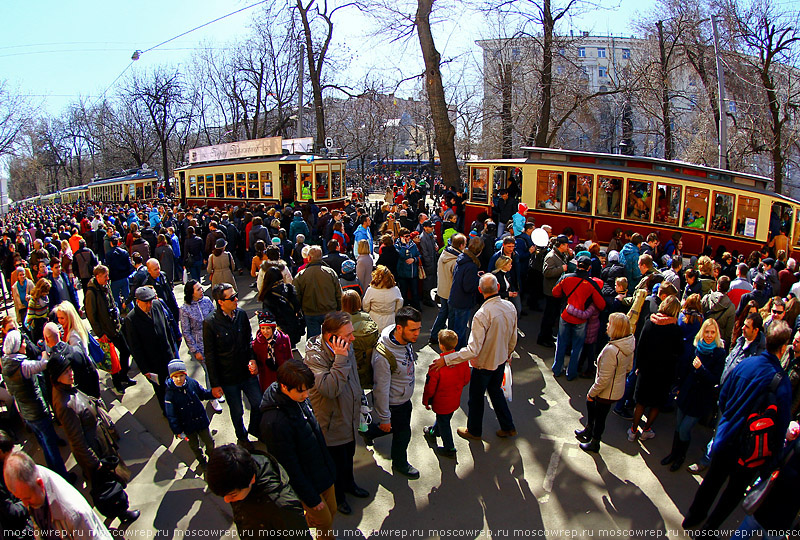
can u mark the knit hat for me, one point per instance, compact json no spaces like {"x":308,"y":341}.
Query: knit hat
{"x":266,"y":318}
{"x":57,"y":365}
{"x":176,"y":366}
{"x":522,"y":208}
{"x":613,"y":256}
{"x":12,"y":342}
{"x":348,"y":266}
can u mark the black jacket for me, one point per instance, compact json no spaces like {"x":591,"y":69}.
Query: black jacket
{"x":183,"y":406}
{"x":150,"y":339}
{"x":87,"y":380}
{"x":227,"y":347}
{"x":282,"y":301}
{"x":163,"y":287}
{"x":101,"y":310}
{"x":271,"y":503}
{"x":292,"y":434}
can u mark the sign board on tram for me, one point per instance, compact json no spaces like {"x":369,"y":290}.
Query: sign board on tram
{"x":268,"y":146}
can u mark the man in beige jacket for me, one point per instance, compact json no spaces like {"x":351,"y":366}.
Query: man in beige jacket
{"x":487,"y":352}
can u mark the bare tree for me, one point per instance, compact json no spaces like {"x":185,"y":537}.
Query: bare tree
{"x":14,"y":114}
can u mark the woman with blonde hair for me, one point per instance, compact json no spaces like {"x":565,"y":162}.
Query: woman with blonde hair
{"x":613,"y":365}
{"x":696,"y":396}
{"x":383,"y":298}
{"x":72,"y":329}
{"x":658,"y":351}
{"x":364,"y":263}
{"x":65,"y":255}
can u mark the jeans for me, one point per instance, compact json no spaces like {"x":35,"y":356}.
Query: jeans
{"x":481,"y":382}
{"x":441,"y":319}
{"x":569,"y":336}
{"x":314,"y":325}
{"x":195,"y":269}
{"x":684,"y":424}
{"x":401,"y":432}
{"x":233,"y":394}
{"x":409,"y":287}
{"x":120,"y":291}
{"x":751,"y":527}
{"x":458,"y":324}
{"x":441,"y":428}
{"x":552,"y":307}
{"x":45,"y":433}
{"x":596,"y":413}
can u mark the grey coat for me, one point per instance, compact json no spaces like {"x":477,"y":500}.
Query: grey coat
{"x":336,"y":396}
{"x":553,"y":269}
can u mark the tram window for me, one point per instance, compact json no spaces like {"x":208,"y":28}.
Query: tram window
{"x":322,"y":189}
{"x":579,"y":192}
{"x":668,"y":204}
{"x":548,"y":190}
{"x":336,"y":184}
{"x":479,"y":185}
{"x":722,"y":216}
{"x":219,"y":183}
{"x":305,"y":185}
{"x":201,"y":187}
{"x":609,"y":196}
{"x":240,"y":185}
{"x":796,"y":234}
{"x":192,"y":186}
{"x":229,"y":191}
{"x":640,"y":200}
{"x":148,"y":190}
{"x":500,"y":180}
{"x":747,"y":216}
{"x":252,"y":185}
{"x":695,"y":208}
{"x":266,"y":184}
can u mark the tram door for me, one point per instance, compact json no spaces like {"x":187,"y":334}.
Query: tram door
{"x":288,"y":183}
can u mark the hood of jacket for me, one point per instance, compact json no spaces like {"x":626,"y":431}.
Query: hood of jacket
{"x":626,"y":344}
{"x":273,"y":398}
{"x":660,"y":319}
{"x":718,"y":301}
{"x":467,"y":257}
{"x":450,"y":253}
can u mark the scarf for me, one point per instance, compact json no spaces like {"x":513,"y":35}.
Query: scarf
{"x":706,"y":348}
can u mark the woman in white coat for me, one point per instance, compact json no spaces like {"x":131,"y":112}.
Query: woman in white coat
{"x":383,"y":298}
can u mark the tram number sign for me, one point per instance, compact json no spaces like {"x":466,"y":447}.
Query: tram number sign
{"x":329,"y":142}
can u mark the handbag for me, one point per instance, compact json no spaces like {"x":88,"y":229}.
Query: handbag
{"x":507,"y":381}
{"x":758,"y":493}
{"x":98,"y":355}
{"x":422,"y":274}
{"x":110,"y":352}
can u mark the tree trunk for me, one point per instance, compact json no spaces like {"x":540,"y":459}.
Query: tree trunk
{"x":776,"y":126}
{"x":543,"y":126}
{"x":444,"y":130}
{"x":315,"y":70}
{"x":669,"y":149}
{"x":505,"y":114}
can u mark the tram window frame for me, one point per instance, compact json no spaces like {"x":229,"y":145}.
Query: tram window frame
{"x":687,"y":207}
{"x":545,"y":175}
{"x":192,"y":186}
{"x":796,"y":226}
{"x":148,"y":190}
{"x":324,"y":172}
{"x":230,"y":186}
{"x":500,"y":180}
{"x":479,"y":176}
{"x":742,"y":205}
{"x":714,"y":196}
{"x":219,"y":186}
{"x":201,"y":185}
{"x":307,"y":175}
{"x":602,"y":179}
{"x":577,"y":177}
{"x":241,"y":185}
{"x":669,"y":195}
{"x":266,"y":184}
{"x":336,"y":182}
{"x":628,"y":184}
{"x":253,"y":187}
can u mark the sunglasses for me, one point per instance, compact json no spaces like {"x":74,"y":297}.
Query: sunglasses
{"x":776,"y":312}
{"x":232,"y":297}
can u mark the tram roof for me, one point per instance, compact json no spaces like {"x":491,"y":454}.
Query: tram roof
{"x":138,"y":175}
{"x":666,"y":168}
{"x":310,"y":158}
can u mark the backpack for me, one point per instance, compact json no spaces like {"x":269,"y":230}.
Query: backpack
{"x":760,"y":429}
{"x":366,"y":334}
{"x":369,"y":380}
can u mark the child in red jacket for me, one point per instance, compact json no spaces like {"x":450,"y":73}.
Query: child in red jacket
{"x":443,"y":389}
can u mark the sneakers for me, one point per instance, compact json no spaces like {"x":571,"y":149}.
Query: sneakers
{"x":221,"y":399}
{"x":445,"y":452}
{"x":631,"y":435}
{"x":696,"y":468}
{"x":216,"y":406}
{"x":430,"y":437}
{"x":647,"y":434}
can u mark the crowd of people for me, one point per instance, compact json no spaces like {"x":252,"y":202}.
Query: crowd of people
{"x":331,"y":361}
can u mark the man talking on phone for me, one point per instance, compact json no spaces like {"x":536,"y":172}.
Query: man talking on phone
{"x":393,"y":364}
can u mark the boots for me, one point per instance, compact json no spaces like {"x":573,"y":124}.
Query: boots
{"x":591,"y":446}
{"x":681,"y":450}
{"x":583,"y":435}
{"x":676,"y":440}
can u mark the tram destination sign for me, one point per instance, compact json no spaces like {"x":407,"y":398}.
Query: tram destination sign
{"x":268,"y":146}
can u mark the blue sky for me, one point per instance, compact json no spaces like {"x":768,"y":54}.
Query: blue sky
{"x":56,"y":50}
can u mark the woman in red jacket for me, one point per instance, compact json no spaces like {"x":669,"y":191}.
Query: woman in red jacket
{"x":271,"y":347}
{"x":443,"y":389}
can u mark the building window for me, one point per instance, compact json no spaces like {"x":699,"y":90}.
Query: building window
{"x":560,"y":70}
{"x":581,"y":52}
{"x":626,"y":54}
{"x":732,"y":107}
{"x":602,"y":71}
{"x":515,"y":54}
{"x":601,"y":52}
{"x":561,"y":51}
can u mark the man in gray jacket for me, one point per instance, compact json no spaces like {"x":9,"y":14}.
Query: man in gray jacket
{"x":393,"y":365}
{"x":444,"y":280}
{"x":555,"y":265}
{"x":336,"y":399}
{"x":718,"y":306}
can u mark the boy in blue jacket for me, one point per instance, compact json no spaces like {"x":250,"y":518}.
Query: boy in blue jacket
{"x":183,"y":405}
